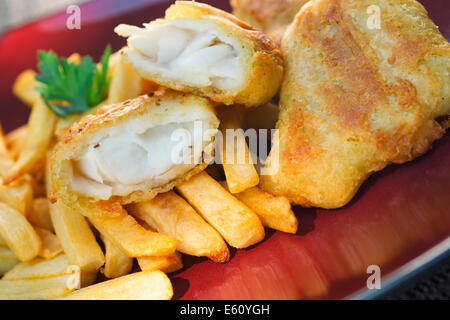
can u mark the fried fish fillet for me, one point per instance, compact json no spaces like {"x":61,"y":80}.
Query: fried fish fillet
{"x":200,"y":49}
{"x":270,"y":16}
{"x":129,"y":152}
{"x":356,"y":97}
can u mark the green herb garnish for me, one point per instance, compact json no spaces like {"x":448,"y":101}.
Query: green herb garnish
{"x":72,"y":88}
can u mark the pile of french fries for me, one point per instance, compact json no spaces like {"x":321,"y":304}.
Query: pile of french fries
{"x":49,"y":250}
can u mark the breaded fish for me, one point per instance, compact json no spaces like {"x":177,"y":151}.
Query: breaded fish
{"x":200,"y":49}
{"x":129,"y":152}
{"x":270,"y":16}
{"x":356,"y":97}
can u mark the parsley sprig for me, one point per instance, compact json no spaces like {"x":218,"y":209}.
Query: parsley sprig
{"x":72,"y":88}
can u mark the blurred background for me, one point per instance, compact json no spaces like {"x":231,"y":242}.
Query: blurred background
{"x":16,"y":12}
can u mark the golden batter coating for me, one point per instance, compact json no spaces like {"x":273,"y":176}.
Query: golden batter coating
{"x":125,"y":152}
{"x":356,"y":98}
{"x":200,"y":49}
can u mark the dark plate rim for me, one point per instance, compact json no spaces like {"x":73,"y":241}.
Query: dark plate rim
{"x":409,"y":271}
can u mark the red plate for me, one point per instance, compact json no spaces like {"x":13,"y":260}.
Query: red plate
{"x":397,"y":215}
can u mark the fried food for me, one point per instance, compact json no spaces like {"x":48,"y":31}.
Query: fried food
{"x":18,"y":233}
{"x":270,"y":16}
{"x":39,"y":215}
{"x":115,"y":224}
{"x":126,"y":83}
{"x":145,"y":285}
{"x":356,"y":98}
{"x":7,"y":260}
{"x":40,"y":133}
{"x":167,"y":264}
{"x":3,"y":242}
{"x":171,"y":215}
{"x":128,"y":151}
{"x":51,"y":246}
{"x":76,"y":237}
{"x":39,"y":268}
{"x":39,"y":289}
{"x":117,"y":263}
{"x":237,"y":224}
{"x":275,"y":212}
{"x":5,"y":165}
{"x":18,"y":194}
{"x":23,"y":87}
{"x":4,"y":152}
{"x":201,"y":49}
{"x":236,"y":158}
{"x":16,"y":140}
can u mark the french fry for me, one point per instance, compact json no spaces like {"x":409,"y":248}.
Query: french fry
{"x":76,"y":238}
{"x":114,"y":223}
{"x":125,"y":84}
{"x":145,"y":285}
{"x":113,"y":62}
{"x":5,"y":165}
{"x":117,"y":263}
{"x":7,"y":260}
{"x":39,"y":268}
{"x":18,"y":194}
{"x":51,"y":246}
{"x":4,"y":152}
{"x":16,"y":140}
{"x":74,"y":233}
{"x":237,"y":224}
{"x":39,"y":136}
{"x":3,"y":242}
{"x":275,"y":212}
{"x":18,"y":233}
{"x":39,"y":215}
{"x":37,"y":289}
{"x":6,"y":159}
{"x":171,"y":215}
{"x":37,"y":182}
{"x":236,"y":158}
{"x":23,"y":87}
{"x":167,"y":264}
{"x":88,"y":278}
{"x":39,"y":294}
{"x":43,"y":268}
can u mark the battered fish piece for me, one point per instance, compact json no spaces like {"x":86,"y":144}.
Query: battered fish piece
{"x":200,"y":49}
{"x":270,"y":16}
{"x":356,"y":98}
{"x":126,"y":153}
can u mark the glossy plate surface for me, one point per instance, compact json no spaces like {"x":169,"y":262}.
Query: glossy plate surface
{"x":397,"y":216}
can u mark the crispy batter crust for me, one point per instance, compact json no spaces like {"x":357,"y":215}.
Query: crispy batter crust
{"x":261,"y":59}
{"x":79,"y":135}
{"x":356,"y":98}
